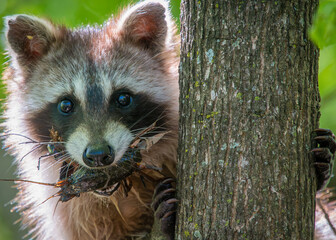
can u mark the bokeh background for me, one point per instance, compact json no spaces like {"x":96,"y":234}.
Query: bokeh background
{"x":73,"y":13}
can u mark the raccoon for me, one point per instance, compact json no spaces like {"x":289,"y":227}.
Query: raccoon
{"x":94,"y":89}
{"x":97,"y":87}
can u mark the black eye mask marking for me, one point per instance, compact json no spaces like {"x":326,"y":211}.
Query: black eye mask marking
{"x":135,"y":111}
{"x":138,"y":111}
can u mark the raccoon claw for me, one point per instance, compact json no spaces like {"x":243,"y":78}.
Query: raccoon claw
{"x":324,"y":131}
{"x":324,"y":156}
{"x":164,"y":206}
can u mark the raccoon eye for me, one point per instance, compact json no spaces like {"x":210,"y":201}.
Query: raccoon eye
{"x":124,"y":99}
{"x":65,"y":106}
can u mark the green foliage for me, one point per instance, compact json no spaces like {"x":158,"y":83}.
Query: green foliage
{"x":323,"y":33}
{"x":70,"y":12}
{"x":5,"y":229}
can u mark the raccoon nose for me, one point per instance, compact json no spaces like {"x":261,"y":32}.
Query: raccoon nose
{"x":98,"y":156}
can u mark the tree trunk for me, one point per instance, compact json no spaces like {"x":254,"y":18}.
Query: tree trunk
{"x":249,"y":102}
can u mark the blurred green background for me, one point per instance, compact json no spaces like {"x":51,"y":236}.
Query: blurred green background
{"x":81,"y":12}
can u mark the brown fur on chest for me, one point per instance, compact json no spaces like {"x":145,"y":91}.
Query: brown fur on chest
{"x":116,"y":217}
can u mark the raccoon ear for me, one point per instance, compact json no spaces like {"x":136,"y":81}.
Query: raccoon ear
{"x":28,"y":37}
{"x":147,"y":24}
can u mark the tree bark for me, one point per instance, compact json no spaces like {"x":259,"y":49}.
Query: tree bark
{"x":249,"y":102}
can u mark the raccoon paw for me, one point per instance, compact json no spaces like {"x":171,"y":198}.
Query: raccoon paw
{"x":164,"y":206}
{"x":323,"y":156}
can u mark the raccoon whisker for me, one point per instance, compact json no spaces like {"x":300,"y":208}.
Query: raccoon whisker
{"x":162,"y":114}
{"x":124,"y":168}
{"x":43,"y":143}
{"x":18,"y":134}
{"x":39,"y":160}
{"x":168,"y":139}
{"x":46,"y":137}
{"x":127,"y":163}
{"x":144,"y":116}
{"x":33,"y":150}
{"x":65,"y":157}
{"x":46,"y":156}
{"x":153,"y":132}
{"x":143,"y":128}
{"x":162,"y":138}
{"x":68,"y":167}
{"x":50,"y":166}
{"x":143,"y":132}
{"x":52,"y":196}
{"x":20,"y":143}
{"x":62,"y":153}
{"x":62,"y":158}
{"x":152,"y":127}
{"x":58,"y":169}
{"x":149,"y":128}
{"x":121,"y":118}
{"x":56,"y":162}
{"x":56,"y":206}
{"x":138,"y":130}
{"x":31,"y":140}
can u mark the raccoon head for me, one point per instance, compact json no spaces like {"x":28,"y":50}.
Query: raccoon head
{"x":97,"y":86}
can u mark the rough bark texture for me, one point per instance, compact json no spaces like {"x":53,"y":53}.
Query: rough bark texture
{"x":249,"y":102}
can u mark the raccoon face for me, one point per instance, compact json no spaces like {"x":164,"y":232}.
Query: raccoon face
{"x":97,"y":87}
{"x":98,"y":131}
